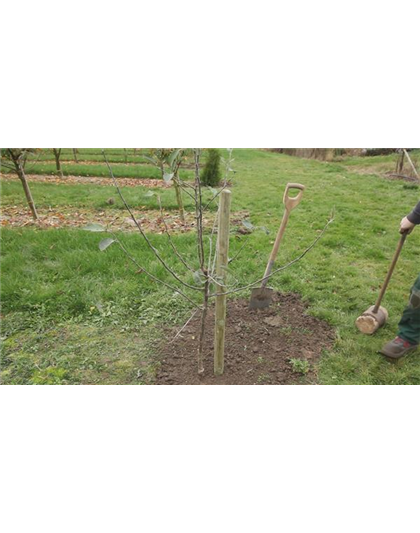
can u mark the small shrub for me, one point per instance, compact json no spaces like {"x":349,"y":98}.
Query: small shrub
{"x":212,"y":174}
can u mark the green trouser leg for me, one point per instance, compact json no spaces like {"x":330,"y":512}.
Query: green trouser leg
{"x":409,"y":327}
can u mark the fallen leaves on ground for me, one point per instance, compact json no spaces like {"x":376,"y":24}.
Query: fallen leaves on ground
{"x":116,"y":220}
{"x":70,"y":180}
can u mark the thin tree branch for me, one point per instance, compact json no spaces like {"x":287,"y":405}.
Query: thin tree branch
{"x":33,"y":163}
{"x":215,"y":196}
{"x":145,"y":237}
{"x":153,"y":277}
{"x":184,"y":326}
{"x":183,"y":187}
{"x":213,"y":231}
{"x":239,"y":252}
{"x":203,"y":326}
{"x":259,"y":281}
{"x":198,"y":209}
{"x":174,"y":248}
{"x":9,"y":166}
{"x":228,"y":163}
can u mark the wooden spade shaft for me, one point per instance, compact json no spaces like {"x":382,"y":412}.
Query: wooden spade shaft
{"x":276,"y":247}
{"x":390,"y":272}
{"x":290,"y":203}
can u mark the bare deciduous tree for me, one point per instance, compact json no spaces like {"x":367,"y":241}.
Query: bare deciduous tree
{"x":57,"y":154}
{"x":15,"y":159}
{"x":171,"y":158}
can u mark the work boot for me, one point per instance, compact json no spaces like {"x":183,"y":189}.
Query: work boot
{"x":398,"y":348}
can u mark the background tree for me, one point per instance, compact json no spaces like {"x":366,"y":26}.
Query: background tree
{"x":57,"y":154}
{"x":401,"y":157}
{"x":212,"y":173}
{"x":174,"y":161}
{"x":15,"y":159}
{"x":170,"y":158}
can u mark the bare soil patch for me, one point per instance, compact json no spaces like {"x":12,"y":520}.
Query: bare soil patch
{"x":276,"y":346}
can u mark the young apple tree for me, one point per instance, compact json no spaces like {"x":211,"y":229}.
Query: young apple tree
{"x":208,"y":275}
{"x":168,"y":161}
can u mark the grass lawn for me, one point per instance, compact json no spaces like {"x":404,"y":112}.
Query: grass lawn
{"x":91,"y":163}
{"x":100,"y":170}
{"x":380,"y":164}
{"x":94,"y":154}
{"x":73,"y":314}
{"x":90,"y":196}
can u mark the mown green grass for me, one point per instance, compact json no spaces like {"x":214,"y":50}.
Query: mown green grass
{"x":114,"y":155}
{"x":59,"y":356}
{"x":86,"y":156}
{"x":56,"y":285}
{"x":380,"y":164}
{"x":99,"y":170}
{"x":91,"y":163}
{"x":95,"y":197}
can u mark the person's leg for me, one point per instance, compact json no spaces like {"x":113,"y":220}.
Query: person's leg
{"x":408,"y":338}
{"x":409,"y":326}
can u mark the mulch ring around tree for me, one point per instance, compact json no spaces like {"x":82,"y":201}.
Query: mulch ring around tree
{"x":401,"y":177}
{"x":275,"y":346}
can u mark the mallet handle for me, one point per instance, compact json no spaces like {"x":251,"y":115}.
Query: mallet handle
{"x":390,"y":272}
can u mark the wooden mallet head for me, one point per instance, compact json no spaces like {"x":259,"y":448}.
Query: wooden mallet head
{"x":371,"y":321}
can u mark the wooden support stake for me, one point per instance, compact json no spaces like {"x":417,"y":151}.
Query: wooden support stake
{"x":221,"y":275}
{"x":412,"y":164}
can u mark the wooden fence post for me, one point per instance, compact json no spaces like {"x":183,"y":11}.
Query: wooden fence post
{"x":221,"y":275}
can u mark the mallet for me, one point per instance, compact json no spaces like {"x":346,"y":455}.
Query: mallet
{"x":376,"y":316}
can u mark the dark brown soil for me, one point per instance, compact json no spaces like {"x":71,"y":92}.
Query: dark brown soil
{"x":275,"y":346}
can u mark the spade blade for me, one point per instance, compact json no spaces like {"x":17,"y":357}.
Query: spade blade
{"x":261,"y":298}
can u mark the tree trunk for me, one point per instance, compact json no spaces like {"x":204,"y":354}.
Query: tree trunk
{"x":57,"y":154}
{"x":203,"y":325}
{"x":400,"y":163}
{"x":75,"y":155}
{"x":178,"y":193}
{"x":28,"y":194}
